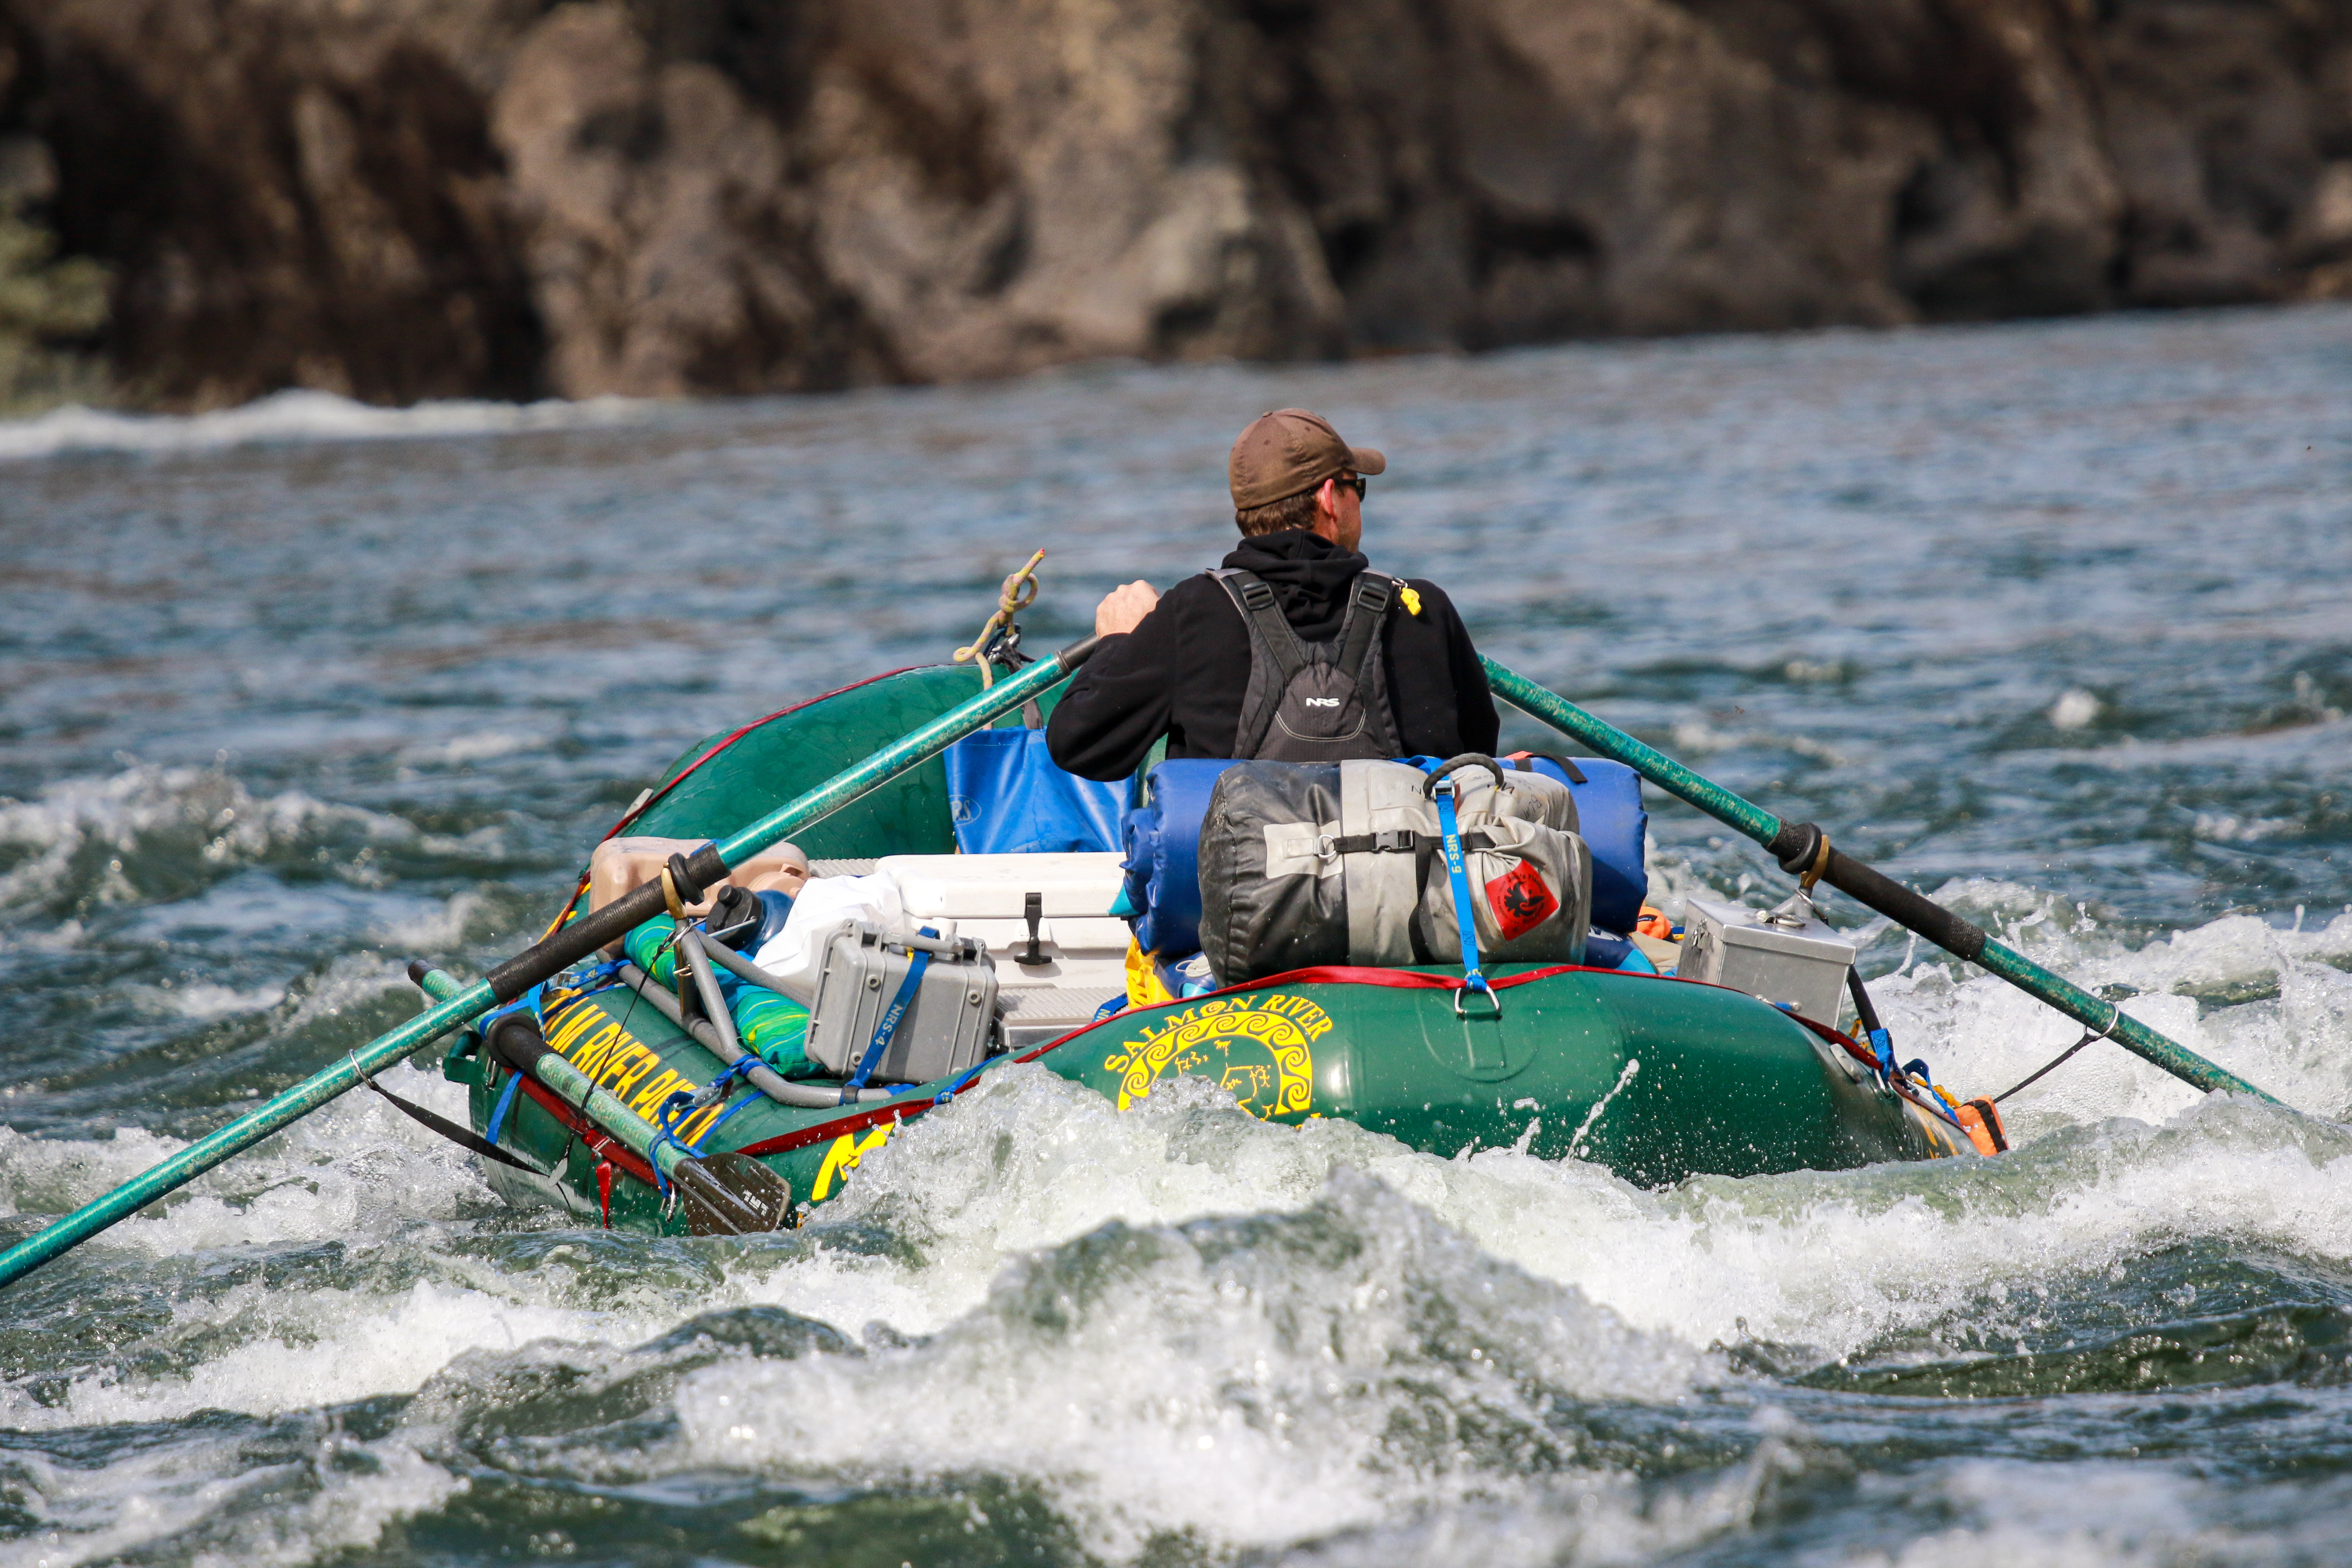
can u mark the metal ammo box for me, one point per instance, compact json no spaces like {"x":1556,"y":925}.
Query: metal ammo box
{"x":1786,"y":954}
{"x":950,"y":1022}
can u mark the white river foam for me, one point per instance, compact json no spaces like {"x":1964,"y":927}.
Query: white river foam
{"x":284,"y":417}
{"x":1377,"y":1333}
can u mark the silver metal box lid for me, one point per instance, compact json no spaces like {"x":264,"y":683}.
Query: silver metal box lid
{"x":1744,"y":927}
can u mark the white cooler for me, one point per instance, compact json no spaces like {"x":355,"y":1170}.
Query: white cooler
{"x":1081,"y":944}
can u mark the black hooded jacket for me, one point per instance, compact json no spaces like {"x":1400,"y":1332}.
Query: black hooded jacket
{"x":1184,"y":672}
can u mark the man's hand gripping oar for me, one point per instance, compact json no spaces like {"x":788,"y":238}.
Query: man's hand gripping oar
{"x":688,"y":876}
{"x":1803,"y":849}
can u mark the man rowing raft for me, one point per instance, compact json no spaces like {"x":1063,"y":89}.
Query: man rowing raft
{"x":1294,"y":650}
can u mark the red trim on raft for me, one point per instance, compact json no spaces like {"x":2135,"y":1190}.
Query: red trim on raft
{"x":598,"y":1143}
{"x":647,"y":805}
{"x":718,"y":746}
{"x":898,"y":1110}
{"x":1406,"y":979}
{"x":1854,"y":1047}
{"x":1898,"y":1082}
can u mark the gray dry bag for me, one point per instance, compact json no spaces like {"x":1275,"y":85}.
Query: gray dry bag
{"x":1305,"y":864}
{"x":1315,"y":702}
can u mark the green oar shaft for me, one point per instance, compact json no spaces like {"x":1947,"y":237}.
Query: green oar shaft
{"x":575,"y":941}
{"x":1797,"y":845}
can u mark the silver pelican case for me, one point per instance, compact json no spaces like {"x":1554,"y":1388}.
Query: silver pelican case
{"x":1782,"y":955}
{"x":950,"y":1023}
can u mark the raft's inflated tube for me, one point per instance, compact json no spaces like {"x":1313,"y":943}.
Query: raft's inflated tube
{"x":782,"y":1091}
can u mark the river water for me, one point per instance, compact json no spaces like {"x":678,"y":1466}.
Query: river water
{"x":2054,"y":617}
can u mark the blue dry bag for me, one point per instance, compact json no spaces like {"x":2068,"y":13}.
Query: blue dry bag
{"x":1163,"y":854}
{"x":1007,"y":796}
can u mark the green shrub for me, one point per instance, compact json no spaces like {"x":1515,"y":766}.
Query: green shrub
{"x":48,"y":307}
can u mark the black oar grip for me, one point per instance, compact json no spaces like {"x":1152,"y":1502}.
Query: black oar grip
{"x":515,"y":1040}
{"x":600,"y":928}
{"x":1797,"y":844}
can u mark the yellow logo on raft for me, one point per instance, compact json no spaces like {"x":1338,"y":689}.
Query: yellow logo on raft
{"x":843,"y":1158}
{"x":617,"y":1062}
{"x":1259,"y":1047}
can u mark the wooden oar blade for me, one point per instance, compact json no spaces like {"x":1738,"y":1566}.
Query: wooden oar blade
{"x":731,"y":1194}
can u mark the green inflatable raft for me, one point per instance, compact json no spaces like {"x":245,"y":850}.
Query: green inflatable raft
{"x":1655,"y":1077}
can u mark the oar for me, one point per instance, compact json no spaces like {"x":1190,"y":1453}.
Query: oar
{"x":1801,"y":847}
{"x":723,"y":1194}
{"x":690,"y":875}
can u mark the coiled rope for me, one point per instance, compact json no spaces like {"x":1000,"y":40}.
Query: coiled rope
{"x":1020,"y":592}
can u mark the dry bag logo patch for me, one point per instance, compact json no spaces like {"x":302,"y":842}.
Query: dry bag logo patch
{"x":1257,"y":1047}
{"x":1520,"y":900}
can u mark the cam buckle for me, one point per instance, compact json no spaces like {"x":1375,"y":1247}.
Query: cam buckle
{"x":1461,"y":992}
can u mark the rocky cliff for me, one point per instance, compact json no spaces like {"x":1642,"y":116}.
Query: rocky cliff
{"x":407,"y":198}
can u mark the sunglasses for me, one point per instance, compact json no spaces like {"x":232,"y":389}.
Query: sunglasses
{"x":1350,"y":482}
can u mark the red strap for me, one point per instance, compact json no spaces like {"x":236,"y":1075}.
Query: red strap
{"x":605,"y":1189}
{"x":587,"y":1131}
{"x":1409,"y":979}
{"x":913,"y":1105}
{"x":1860,"y":1052}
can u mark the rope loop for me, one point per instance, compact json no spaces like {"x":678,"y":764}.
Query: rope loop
{"x":1020,"y":592}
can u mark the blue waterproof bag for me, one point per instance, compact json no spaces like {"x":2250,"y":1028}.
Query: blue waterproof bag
{"x":1007,"y":796}
{"x":1610,"y":816}
{"x":1163,"y":854}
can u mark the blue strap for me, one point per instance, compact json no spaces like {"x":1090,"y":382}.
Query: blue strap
{"x":1883,"y":1046}
{"x":527,"y":999}
{"x":674,"y":1112}
{"x":889,"y":1026}
{"x":580,"y":981}
{"x":1465,"y":915}
{"x":955,"y":1085}
{"x":506,"y":1103}
{"x":724,"y":1117}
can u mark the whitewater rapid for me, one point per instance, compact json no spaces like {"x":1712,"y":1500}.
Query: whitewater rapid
{"x":2046,"y":620}
{"x":1177,"y":1320}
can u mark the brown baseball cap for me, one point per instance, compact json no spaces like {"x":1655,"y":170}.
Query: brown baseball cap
{"x":1290,"y":450}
